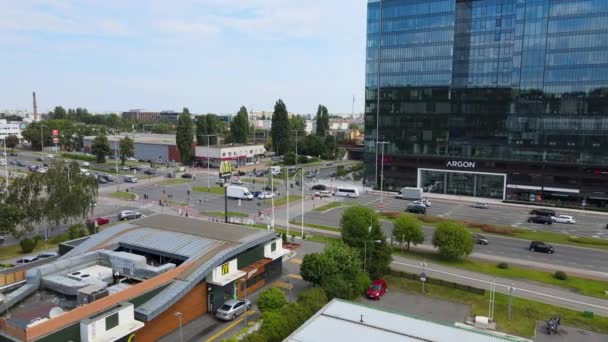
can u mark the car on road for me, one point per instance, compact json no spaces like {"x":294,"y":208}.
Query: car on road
{"x":324,"y":193}
{"x":480,"y":205}
{"x":39,"y":159}
{"x":171,"y":175}
{"x":239,"y":173}
{"x":233,"y":308}
{"x":543,"y":212}
{"x":377,"y":289}
{"x":480,"y":239}
{"x":329,"y":164}
{"x":3,"y":162}
{"x":26,"y":260}
{"x":13,"y":162}
{"x":107,"y":177}
{"x":100,"y":220}
{"x":46,"y":255}
{"x":265,"y":195}
{"x":150,"y":172}
{"x":416,"y":209}
{"x":236,"y":182}
{"x":42,"y":169}
{"x":135,"y":168}
{"x":540,"y":219}
{"x":220,"y":181}
{"x":32,"y":167}
{"x":537,"y":246}
{"x":256,"y":193}
{"x":20,"y":163}
{"x":267,"y":188}
{"x":187,"y":175}
{"x":130,"y":179}
{"x":425,"y":202}
{"x":129,"y":215}
{"x":101,"y":180}
{"x":563,"y":219}
{"x":124,"y":168}
{"x":318,"y":187}
{"x":260,"y":173}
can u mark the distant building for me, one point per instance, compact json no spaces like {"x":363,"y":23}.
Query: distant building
{"x":238,"y":154}
{"x":11,"y":128}
{"x":347,"y":321}
{"x":141,"y":115}
{"x":169,"y":116}
{"x":148,"y":147}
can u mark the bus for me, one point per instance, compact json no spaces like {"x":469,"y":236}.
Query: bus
{"x":347,"y":192}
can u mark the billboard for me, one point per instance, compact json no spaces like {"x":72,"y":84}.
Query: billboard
{"x":225,"y":169}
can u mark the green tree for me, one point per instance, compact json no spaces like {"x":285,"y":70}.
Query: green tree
{"x":322,"y":121}
{"x":453,"y":240}
{"x":297,"y":122}
{"x":408,"y":230}
{"x":58,"y":113}
{"x":201,"y":130}
{"x":313,"y":145}
{"x":316,"y":267}
{"x":271,"y":299}
{"x":280,"y":133}
{"x":127,"y":149}
{"x":361,"y":229}
{"x":184,"y":136}
{"x":100,"y":148}
{"x":213,"y":127}
{"x":275,"y":328}
{"x":239,"y":126}
{"x":11,"y":141}
{"x":314,"y":299}
{"x":162,"y":128}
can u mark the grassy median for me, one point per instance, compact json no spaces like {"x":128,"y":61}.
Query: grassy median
{"x":330,"y":205}
{"x":524,"y":315}
{"x":122,"y":195}
{"x":282,"y":200}
{"x":174,"y":181}
{"x":218,"y":190}
{"x":221,"y":214}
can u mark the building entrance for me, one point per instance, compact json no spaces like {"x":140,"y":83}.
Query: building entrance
{"x":463,"y":183}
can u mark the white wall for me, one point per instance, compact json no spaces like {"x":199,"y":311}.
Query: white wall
{"x":94,"y":330}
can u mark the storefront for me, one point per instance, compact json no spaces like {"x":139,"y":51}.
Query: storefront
{"x":463,"y":183}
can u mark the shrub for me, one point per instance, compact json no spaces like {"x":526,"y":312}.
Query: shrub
{"x":27,"y":245}
{"x":57,"y":239}
{"x":560,"y":275}
{"x":453,"y":240}
{"x":503,"y":265}
{"x":271,"y":299}
{"x":77,"y":231}
{"x":79,"y":157}
{"x":391,"y":214}
{"x":284,"y":237}
{"x":486,"y":228}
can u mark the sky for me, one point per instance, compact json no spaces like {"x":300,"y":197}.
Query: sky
{"x":211,"y":56}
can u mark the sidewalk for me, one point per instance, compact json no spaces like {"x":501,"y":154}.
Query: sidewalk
{"x":545,"y":294}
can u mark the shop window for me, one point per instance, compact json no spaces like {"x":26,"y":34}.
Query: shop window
{"x":273,"y":247}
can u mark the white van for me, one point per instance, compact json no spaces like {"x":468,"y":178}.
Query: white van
{"x":238,"y":192}
{"x":275,"y":170}
{"x":130,"y":179}
{"x":85,"y":164}
{"x":347,"y":192}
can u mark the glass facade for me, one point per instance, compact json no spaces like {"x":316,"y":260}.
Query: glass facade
{"x":519,"y":86}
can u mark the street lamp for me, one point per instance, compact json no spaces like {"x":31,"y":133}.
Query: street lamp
{"x":301,"y":170}
{"x":382,"y":169}
{"x":179,"y":316}
{"x":42,"y":141}
{"x":365,"y":251}
{"x":296,"y":130}
{"x":208,"y":157}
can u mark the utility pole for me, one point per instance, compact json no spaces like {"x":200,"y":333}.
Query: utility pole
{"x":492,"y":296}
{"x":382,"y":170}
{"x":287,"y":188}
{"x":511,"y":289}
{"x":208,"y":159}
{"x":302,"y":187}
{"x":272,"y":198}
{"x":5,"y":163}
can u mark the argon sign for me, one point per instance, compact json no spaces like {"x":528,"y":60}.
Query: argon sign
{"x":461,"y":164}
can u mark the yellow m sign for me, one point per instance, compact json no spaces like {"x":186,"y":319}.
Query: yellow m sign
{"x":225,"y":268}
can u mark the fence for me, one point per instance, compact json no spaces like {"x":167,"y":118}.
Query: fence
{"x":429,"y":280}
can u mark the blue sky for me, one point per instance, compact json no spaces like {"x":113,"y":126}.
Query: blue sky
{"x":208,"y":55}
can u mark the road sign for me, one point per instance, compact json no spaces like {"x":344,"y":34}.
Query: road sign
{"x":422,"y":277}
{"x":55,"y":140}
{"x":55,"y":132}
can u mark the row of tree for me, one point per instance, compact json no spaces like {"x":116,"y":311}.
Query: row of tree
{"x":55,"y":197}
{"x":100,"y":147}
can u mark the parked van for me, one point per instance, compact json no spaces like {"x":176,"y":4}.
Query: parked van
{"x":238,"y":192}
{"x":347,"y":192}
{"x":130,"y":179}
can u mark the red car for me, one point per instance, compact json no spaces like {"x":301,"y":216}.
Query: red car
{"x":377,"y":289}
{"x":100,"y":220}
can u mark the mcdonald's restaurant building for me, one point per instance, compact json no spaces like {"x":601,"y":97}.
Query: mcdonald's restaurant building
{"x":238,"y":155}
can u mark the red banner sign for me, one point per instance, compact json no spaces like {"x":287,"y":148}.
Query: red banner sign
{"x":55,"y":132}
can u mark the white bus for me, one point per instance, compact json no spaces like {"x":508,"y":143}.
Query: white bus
{"x":347,"y":192}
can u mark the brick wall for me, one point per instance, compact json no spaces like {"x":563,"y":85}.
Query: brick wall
{"x":192,"y":305}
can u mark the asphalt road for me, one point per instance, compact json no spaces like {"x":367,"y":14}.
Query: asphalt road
{"x":584,"y":258}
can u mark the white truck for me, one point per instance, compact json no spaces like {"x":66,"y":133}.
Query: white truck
{"x":410,"y":193}
{"x":238,"y":192}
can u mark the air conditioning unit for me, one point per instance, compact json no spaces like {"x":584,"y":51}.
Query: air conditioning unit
{"x":91,"y":293}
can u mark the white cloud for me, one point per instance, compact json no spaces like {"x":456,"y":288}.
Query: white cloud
{"x":185,"y":27}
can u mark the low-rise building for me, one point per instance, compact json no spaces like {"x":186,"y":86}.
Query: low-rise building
{"x":146,"y":146}
{"x":11,"y":128}
{"x":127,"y":282}
{"x":239,"y":155}
{"x":141,"y":115}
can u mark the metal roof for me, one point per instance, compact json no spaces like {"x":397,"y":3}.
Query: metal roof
{"x":346,"y":321}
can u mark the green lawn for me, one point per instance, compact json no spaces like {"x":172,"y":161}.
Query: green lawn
{"x":524,"y":312}
{"x":588,"y":287}
{"x":122,"y":195}
{"x":221,"y":214}
{"x":214,"y":189}
{"x":330,"y":205}
{"x":174,"y":181}
{"x":12,"y":251}
{"x":282,"y":200}
{"x":318,"y":226}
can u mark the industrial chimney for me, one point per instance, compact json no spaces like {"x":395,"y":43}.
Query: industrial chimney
{"x":35,"y":107}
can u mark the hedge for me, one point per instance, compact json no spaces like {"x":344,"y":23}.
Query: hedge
{"x":436,"y":281}
{"x":83,"y":157}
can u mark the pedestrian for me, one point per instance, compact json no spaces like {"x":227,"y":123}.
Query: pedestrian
{"x":186,"y":214}
{"x":188,"y":192}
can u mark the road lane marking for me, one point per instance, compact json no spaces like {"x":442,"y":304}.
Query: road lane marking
{"x":295,"y":276}
{"x":282,"y":285}
{"x":230,"y":326}
{"x":296,"y":261}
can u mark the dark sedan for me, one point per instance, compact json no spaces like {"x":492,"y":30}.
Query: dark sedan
{"x":540,"y":219}
{"x":537,"y":246}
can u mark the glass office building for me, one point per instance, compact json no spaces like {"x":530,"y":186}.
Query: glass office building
{"x":502,"y":99}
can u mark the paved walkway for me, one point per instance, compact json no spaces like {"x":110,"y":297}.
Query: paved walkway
{"x":523,"y":289}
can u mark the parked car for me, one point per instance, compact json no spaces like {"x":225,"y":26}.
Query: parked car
{"x":20,"y":163}
{"x":265,"y":195}
{"x":563,"y":219}
{"x":100,"y":220}
{"x":101,"y":180}
{"x":26,"y":260}
{"x":232,"y":308}
{"x":543,"y":212}
{"x":267,"y":188}
{"x":236,"y":182}
{"x":107,"y":177}
{"x":150,"y":172}
{"x":480,"y":205}
{"x":256,"y":193}
{"x":537,"y":246}
{"x":480,"y":239}
{"x":540,"y":219}
{"x":187,"y":175}
{"x":135,"y":168}
{"x":46,"y":255}
{"x":423,"y":202}
{"x":171,"y":175}
{"x":32,"y":167}
{"x":124,"y":168}
{"x":416,"y":209}
{"x":129,"y":215}
{"x":260,"y":173}
{"x":130,"y":179}
{"x":377,"y":289}
{"x":39,"y":159}
{"x":318,"y":187}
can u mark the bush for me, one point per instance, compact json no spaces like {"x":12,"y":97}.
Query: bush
{"x":314,"y":298}
{"x":284,"y":237}
{"x":77,"y":231}
{"x":560,"y":275}
{"x":391,"y":214}
{"x":453,"y":240}
{"x":271,"y":299}
{"x":27,"y":245}
{"x":57,"y":239}
{"x":503,"y":265}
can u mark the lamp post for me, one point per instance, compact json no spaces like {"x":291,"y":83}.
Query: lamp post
{"x":365,"y":251}
{"x":382,"y":169}
{"x":423,"y":275}
{"x":5,"y":162}
{"x":208,"y":158}
{"x":295,"y":130}
{"x":179,"y":316}
{"x":42,"y":141}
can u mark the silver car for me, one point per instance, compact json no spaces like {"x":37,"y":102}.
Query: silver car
{"x":232,"y":309}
